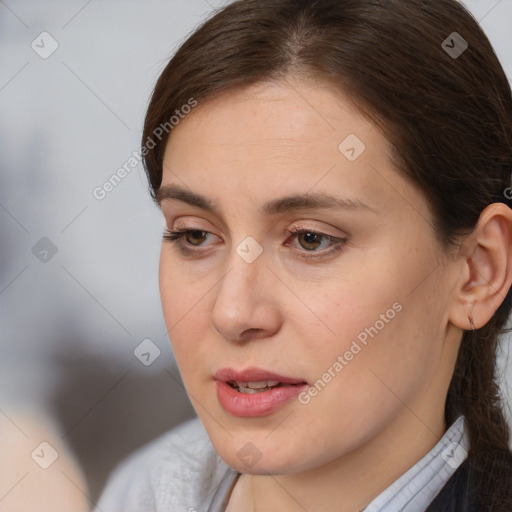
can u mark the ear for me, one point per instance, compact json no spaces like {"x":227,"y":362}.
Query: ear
{"x":487,"y":274}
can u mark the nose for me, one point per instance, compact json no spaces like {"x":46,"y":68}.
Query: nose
{"x":246,"y":305}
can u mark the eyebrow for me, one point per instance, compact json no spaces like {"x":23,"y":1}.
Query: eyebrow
{"x":308,"y":201}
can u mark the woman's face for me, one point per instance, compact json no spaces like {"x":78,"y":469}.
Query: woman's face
{"x":350,"y":315}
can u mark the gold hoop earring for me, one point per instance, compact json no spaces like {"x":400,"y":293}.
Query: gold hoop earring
{"x":470,"y":318}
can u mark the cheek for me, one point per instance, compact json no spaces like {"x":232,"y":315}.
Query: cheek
{"x":373,"y":326}
{"x":185,"y":309}
{"x":363,"y":378}
{"x":181,"y":289}
{"x":358,"y":306}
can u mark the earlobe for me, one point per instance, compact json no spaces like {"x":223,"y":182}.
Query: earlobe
{"x":487,"y":276}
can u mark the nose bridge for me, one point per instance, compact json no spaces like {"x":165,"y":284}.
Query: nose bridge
{"x":242,"y":295}
{"x":246,"y":266}
{"x":245,"y":271}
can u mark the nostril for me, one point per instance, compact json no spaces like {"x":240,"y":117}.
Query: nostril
{"x":248,"y":333}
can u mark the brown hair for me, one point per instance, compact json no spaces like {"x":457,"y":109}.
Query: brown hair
{"x":447,"y":116}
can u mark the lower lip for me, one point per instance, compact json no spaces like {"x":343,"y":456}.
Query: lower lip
{"x":250,"y":405}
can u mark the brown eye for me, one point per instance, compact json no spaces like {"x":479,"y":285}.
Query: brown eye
{"x":193,"y":236}
{"x":187,"y":238}
{"x":311,"y":243}
{"x":311,"y":240}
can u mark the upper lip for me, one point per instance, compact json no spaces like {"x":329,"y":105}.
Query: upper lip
{"x":253,"y":375}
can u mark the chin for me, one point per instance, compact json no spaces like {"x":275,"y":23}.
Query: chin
{"x":262,"y":457}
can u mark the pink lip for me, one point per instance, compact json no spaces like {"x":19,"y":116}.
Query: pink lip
{"x":255,"y":404}
{"x":252,"y":375}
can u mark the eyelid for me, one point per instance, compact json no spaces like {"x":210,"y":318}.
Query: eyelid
{"x":178,"y":233}
{"x":299,"y":227}
{"x":189,"y":250}
{"x":337,"y":243}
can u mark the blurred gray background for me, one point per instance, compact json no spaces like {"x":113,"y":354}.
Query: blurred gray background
{"x":78,"y":275}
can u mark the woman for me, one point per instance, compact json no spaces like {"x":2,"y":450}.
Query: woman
{"x":337,"y":262}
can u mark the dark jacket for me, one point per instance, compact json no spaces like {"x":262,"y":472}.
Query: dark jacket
{"x":480,"y":484}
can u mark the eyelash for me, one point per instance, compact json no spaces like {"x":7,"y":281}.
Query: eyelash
{"x":176,"y":237}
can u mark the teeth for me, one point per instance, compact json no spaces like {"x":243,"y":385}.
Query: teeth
{"x":256,"y":387}
{"x":248,"y":390}
{"x":262,"y":384}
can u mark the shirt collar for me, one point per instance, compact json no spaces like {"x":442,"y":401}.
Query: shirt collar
{"x":417,"y":487}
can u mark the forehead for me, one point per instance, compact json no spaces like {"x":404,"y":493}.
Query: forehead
{"x":277,"y":114}
{"x":270,"y":139}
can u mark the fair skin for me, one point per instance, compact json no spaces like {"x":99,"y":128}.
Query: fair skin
{"x":385,"y":409}
{"x":25,"y":484}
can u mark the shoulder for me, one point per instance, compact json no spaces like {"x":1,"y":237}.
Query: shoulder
{"x":52,"y":454}
{"x":173,"y":472}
